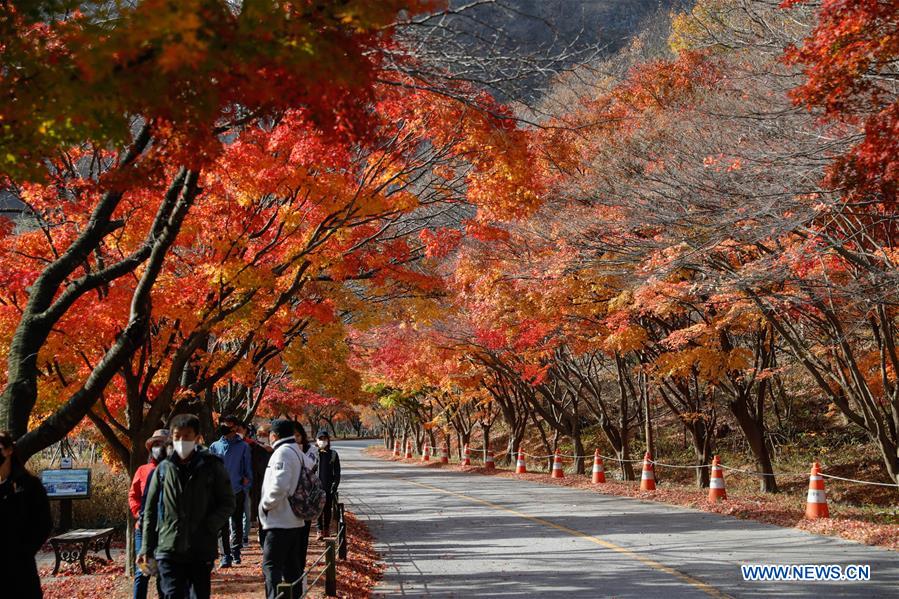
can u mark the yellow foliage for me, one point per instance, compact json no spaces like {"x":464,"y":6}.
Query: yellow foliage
{"x":629,"y":339}
{"x":709,"y":364}
{"x":620,"y":301}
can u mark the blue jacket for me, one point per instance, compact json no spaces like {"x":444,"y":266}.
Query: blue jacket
{"x":236,"y":456}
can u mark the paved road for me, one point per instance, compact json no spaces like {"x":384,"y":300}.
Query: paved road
{"x":448,"y":534}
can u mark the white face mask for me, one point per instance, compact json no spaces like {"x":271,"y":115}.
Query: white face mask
{"x":321,"y":443}
{"x":184,"y":448}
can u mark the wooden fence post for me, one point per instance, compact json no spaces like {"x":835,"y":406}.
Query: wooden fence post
{"x":286,"y":590}
{"x":341,"y":533}
{"x":331,"y":568}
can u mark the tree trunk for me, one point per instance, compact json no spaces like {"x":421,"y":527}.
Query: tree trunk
{"x":578,"y":448}
{"x":138,"y":457}
{"x":549,"y":465}
{"x":627,"y":469}
{"x":755,"y":435}
{"x":466,"y":440}
{"x":623,"y":447}
{"x":518,"y":439}
{"x":546,"y":445}
{"x":578,"y":452}
{"x":700,"y":435}
{"x":647,"y":416}
{"x":207,"y":424}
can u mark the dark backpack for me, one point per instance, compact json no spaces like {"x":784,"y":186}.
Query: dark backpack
{"x":308,"y":500}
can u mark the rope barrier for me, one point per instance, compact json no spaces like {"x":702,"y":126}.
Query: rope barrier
{"x":696,"y":466}
{"x":862,"y":482}
{"x":312,"y":584}
{"x":538,"y":457}
{"x":333,"y":551}
{"x":475,"y":450}
{"x":693,"y":467}
{"x":755,"y":473}
{"x":305,"y":574}
{"x":688,"y":467}
{"x":316,"y":562}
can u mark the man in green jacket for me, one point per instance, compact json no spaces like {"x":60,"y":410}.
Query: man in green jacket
{"x":188,"y":501}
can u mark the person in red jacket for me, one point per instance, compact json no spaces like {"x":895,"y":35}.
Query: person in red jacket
{"x":156,"y":446}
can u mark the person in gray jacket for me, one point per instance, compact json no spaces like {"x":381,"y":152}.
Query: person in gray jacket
{"x":283,"y":530}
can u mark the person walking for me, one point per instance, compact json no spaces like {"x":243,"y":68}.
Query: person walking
{"x":189,"y":499}
{"x":309,"y":448}
{"x":235,"y":453}
{"x":329,"y":474}
{"x":259,"y":455}
{"x":137,"y":492}
{"x":283,"y":530}
{"x":311,"y":452}
{"x":25,"y":521}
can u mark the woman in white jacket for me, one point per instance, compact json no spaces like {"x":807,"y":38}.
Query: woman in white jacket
{"x":283,"y":531}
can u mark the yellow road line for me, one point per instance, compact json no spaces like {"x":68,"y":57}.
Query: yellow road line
{"x":694,"y":582}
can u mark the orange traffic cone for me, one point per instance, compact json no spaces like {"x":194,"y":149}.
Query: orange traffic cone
{"x":520,"y":466}
{"x":557,"y":466}
{"x":716,"y":482}
{"x":488,"y":461}
{"x":816,"y":502}
{"x":466,"y":456}
{"x":396,"y":448}
{"x":408,"y":455}
{"x":648,"y":479}
{"x":444,"y":456}
{"x":599,"y":473}
{"x":426,"y":454}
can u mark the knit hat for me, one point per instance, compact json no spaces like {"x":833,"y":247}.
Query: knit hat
{"x":282,"y":427}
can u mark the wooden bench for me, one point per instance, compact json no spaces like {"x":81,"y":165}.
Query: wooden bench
{"x":73,"y":545}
